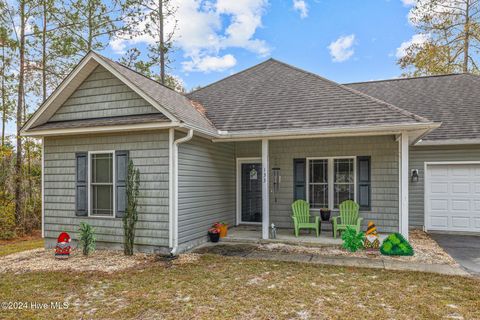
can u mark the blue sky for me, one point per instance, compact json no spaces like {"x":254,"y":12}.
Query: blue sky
{"x":294,"y":31}
{"x":345,"y":41}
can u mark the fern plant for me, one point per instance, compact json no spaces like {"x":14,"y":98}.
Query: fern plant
{"x":87,"y":238}
{"x":352,"y":241}
{"x":131,"y":215}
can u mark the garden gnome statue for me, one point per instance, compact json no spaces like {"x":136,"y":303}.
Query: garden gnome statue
{"x":371,"y":237}
{"x":63,"y":248}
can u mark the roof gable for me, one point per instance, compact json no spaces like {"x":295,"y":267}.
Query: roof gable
{"x":274,"y":95}
{"x":102,"y":95}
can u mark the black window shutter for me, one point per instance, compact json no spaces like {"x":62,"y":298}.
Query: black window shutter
{"x":299,"y":179}
{"x":364,"y":182}
{"x":81,"y":180}
{"x":121,"y":168}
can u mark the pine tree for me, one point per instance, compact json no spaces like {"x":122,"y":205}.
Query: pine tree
{"x":452,"y":33}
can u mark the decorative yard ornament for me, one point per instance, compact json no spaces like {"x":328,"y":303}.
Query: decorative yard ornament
{"x":63,"y":248}
{"x":273,"y":231}
{"x":372,"y":241}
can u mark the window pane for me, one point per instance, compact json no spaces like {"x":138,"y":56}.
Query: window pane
{"x":102,"y":168}
{"x":343,"y":170}
{"x":318,"y":196}
{"x":343,"y":192}
{"x":102,"y":200}
{"x":318,"y":171}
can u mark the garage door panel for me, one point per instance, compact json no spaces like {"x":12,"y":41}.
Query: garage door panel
{"x":453,"y":197}
{"x":438,"y":188}
{"x":460,"y":222}
{"x":440,"y":222}
{"x":461,"y":188}
{"x":460,"y":205}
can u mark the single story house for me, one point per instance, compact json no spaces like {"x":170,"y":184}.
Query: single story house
{"x":242,"y":149}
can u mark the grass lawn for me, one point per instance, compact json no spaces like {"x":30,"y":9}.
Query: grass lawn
{"x":26,"y":243}
{"x":217,"y":287}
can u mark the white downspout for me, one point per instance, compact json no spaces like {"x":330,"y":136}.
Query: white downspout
{"x":43,"y":187}
{"x":174,"y":193}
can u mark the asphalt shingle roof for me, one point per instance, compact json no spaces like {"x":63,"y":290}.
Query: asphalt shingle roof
{"x":274,"y":95}
{"x":107,"y":121}
{"x":452,"y":99}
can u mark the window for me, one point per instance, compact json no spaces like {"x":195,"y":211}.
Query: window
{"x":344,"y":181}
{"x":318,"y":183}
{"x":101,"y":184}
{"x":330,"y":181}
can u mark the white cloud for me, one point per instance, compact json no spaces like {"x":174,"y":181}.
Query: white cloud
{"x":409,"y":3}
{"x":302,"y":7}
{"x":202,"y":33}
{"x":342,"y":48}
{"x":415,"y":39}
{"x":210,"y":63}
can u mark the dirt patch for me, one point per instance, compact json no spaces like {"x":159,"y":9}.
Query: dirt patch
{"x":233,"y":250}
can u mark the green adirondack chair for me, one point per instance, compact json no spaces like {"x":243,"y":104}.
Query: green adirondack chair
{"x":348,"y":217}
{"x":301,"y":217}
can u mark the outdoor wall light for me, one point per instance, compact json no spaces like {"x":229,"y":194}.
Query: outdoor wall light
{"x":414,"y":175}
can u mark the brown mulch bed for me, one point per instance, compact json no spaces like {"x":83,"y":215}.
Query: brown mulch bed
{"x":426,"y":250}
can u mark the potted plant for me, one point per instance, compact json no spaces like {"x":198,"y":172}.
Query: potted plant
{"x":214,"y":234}
{"x":325,"y":214}
{"x":223,"y":227}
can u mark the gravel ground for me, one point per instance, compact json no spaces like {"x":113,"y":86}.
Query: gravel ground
{"x":426,"y":250}
{"x":108,"y":261}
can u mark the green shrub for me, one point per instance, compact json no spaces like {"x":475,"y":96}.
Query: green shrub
{"x":352,"y":241}
{"x":87,"y":238}
{"x":396,"y":245}
{"x":131,"y":213}
{"x":7,"y":221}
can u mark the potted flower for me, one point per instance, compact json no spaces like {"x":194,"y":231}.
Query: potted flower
{"x":223,"y":227}
{"x":214,"y":234}
{"x":325,"y":214}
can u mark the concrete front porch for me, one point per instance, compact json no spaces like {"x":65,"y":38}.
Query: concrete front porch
{"x":253,"y":234}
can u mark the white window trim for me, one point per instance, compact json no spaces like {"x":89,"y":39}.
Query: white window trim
{"x":331,"y":183}
{"x":89,"y":196}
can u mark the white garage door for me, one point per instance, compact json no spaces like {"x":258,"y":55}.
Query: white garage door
{"x":452,"y":197}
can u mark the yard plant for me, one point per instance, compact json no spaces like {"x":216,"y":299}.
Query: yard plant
{"x":352,"y":240}
{"x":87,"y":238}
{"x":131,"y":214}
{"x":396,"y":245}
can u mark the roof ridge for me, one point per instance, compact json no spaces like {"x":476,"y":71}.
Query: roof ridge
{"x":232,"y":75}
{"x":388,"y":105}
{"x":411,"y":78}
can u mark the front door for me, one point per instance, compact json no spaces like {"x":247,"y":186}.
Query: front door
{"x":251,"y":192}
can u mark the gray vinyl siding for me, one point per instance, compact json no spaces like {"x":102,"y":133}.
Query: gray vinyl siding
{"x":206,"y":186}
{"x":102,"y":95}
{"x":149,"y":152}
{"x":421,"y":154}
{"x":384,"y":165}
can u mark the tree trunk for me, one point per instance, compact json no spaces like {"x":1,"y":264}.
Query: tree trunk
{"x":466,"y":31}
{"x":4,"y":97}
{"x":162,"y":42}
{"x":44,"y":52}
{"x":21,"y":75}
{"x":90,"y":26}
